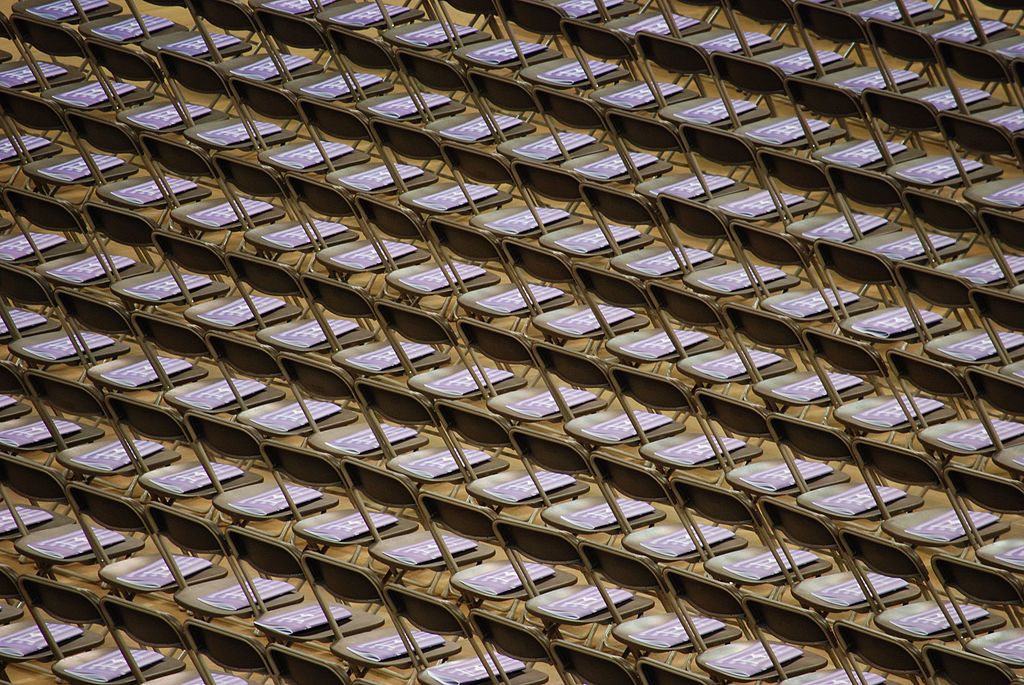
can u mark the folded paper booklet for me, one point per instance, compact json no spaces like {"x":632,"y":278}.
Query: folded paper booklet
{"x":455,"y":197}
{"x":351,"y":526}
{"x":582,"y":8}
{"x":365,"y":441}
{"x":621,"y":428}
{"x":91,"y":268}
{"x":473,"y":670}
{"x":504,"y":52}
{"x":989,"y":270}
{"x":427,"y":551}
{"x":273,"y":501}
{"x":658,"y":25}
{"x":947,"y":526}
{"x":607,"y":168}
{"x":212,"y":395}
{"x":311,"y":333}
{"x":150,"y":191}
{"x":1011,"y":650}
{"x":441,"y":462}
{"x":965,"y":32}
{"x":893,"y":322}
{"x":780,"y":477}
{"x":894,"y":412}
{"x":268,"y":68}
{"x":849,"y":593}
{"x":386,"y":358}
{"x":980,"y":346}
{"x":93,"y":94}
{"x":20,"y":246}
{"x":369,"y":255}
{"x":111,"y":456}
{"x":679,"y":542}
{"x":945,"y":100}
{"x":22,"y":320}
{"x":584,"y":602}
{"x":939,"y":170}
{"x":237,"y":311}
{"x":858,"y":499}
{"x":31,"y":432}
{"x":196,"y":478}
{"x":672,"y":633}
{"x":28,"y":515}
{"x":738,"y":279}
{"x":65,"y":9}
{"x":506,"y":579}
{"x":765,"y":565}
{"x":224,"y":214}
{"x":291,"y":417}
{"x":167,"y":287}
{"x":601,"y":515}
{"x":811,"y":389}
{"x":691,"y":187}
{"x":713,"y":112}
{"x":434,"y":34}
{"x":596,"y":239}
{"x":523,"y":488}
{"x":813,"y":304}
{"x":197,"y":45}
{"x":838,"y":229}
{"x":234,"y":134}
{"x":670,"y":260}
{"x":933,"y":620}
{"x":1013,"y":556}
{"x":546,"y":149}
{"x":911,"y":246}
{"x":160,"y":118}
{"x":66,"y":348}
{"x":755,"y":659}
{"x":296,"y":6}
{"x":544,"y":405}
{"x":585,"y":321}
{"x":309,"y":155}
{"x":27,"y":143}
{"x":366,"y":14}
{"x":68,"y":545}
{"x":891,"y":11}
{"x":730,"y":42}
{"x":141,"y":372}
{"x":513,"y":301}
{"x":641,"y":95}
{"x":660,"y":344}
{"x":573,"y":73}
{"x":526,"y":220}
{"x":157,"y":575}
{"x":23,"y":76}
{"x":977,"y":436}
{"x":760,"y":203}
{"x":405,"y":106}
{"x":78,"y":169}
{"x":234,"y":598}
{"x":699,"y":450}
{"x":341,"y":85}
{"x":802,"y":61}
{"x":393,"y":647}
{"x":442,"y":277}
{"x":877,"y":80}
{"x":731,"y":365}
{"x":468,"y":381}
{"x":301,"y":619}
{"x":788,"y":130}
{"x":480,"y":128}
{"x":26,"y":641}
{"x":130,"y":29}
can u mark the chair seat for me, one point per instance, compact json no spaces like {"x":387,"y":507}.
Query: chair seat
{"x":1006,"y":194}
{"x":905,"y":528}
{"x":813,"y":500}
{"x":814,"y":594}
{"x":835,"y":227}
{"x":497,"y":581}
{"x":474,"y":129}
{"x":458,"y":382}
{"x":589,"y":240}
{"x":161,"y":117}
{"x":66,"y":97}
{"x":27,"y":546}
{"x":288,"y":237}
{"x":777,"y":390}
{"x":578,"y":323}
{"x":514,"y":488}
{"x":733,"y":280}
{"x":567,"y":516}
{"x":190,"y":599}
{"x":637,"y":96}
{"x":666,"y":633}
{"x":69,"y":170}
{"x":609,"y":168}
{"x":972,"y":348}
{"x":346,"y":650}
{"x":890,"y":619}
{"x":357,"y":440}
{"x":913,"y":173}
{"x":1006,"y":554}
{"x":246,"y":503}
{"x":307,"y":335}
{"x":876,"y":326}
{"x":261,"y":69}
{"x":115,"y":572}
{"x":285,"y":417}
{"x":751,"y":478}
{"x":277,"y":626}
{"x":657,"y":262}
{"x":380,"y":358}
{"x":430,"y":36}
{"x":135,"y":372}
{"x":362,"y":257}
{"x":211,"y":315}
{"x":31,"y":434}
{"x":989,"y":646}
{"x":947,"y":438}
{"x":541,"y":147}
{"x":92,"y":460}
{"x":787,"y":133}
{"x":650,"y":542}
{"x":160,"y":287}
{"x":402,"y":107}
{"x":318,"y":530}
{"x":708,"y":661}
{"x":536,"y":404}
{"x":655,"y":345}
{"x":713,"y":112}
{"x":431,"y":279}
{"x":424,"y":544}
{"x":613,"y":427}
{"x":500,"y":54}
{"x":194,"y":216}
{"x":88,"y":640}
{"x":306,"y":158}
{"x":543,"y":607}
{"x":805,"y":305}
{"x":191,"y":43}
{"x":568,"y":73}
{"x":849,"y":415}
{"x":520,"y":221}
{"x":724,"y":366}
{"x":755,"y":566}
{"x":507,"y":300}
{"x":39,"y":349}
{"x":210,"y":135}
{"x":184,"y":480}
{"x":142,"y":192}
{"x":523,"y":676}
{"x":695,"y":450}
{"x":886,"y":246}
{"x":438,"y":466}
{"x":332,"y":87}
{"x":214,"y":397}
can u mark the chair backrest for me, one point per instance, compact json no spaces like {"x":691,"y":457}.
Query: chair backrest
{"x":882,"y":651}
{"x":226,"y":647}
{"x":592,"y":666}
{"x":188,"y":531}
{"x":144,"y":624}
{"x":425,"y":611}
{"x":960,"y":667}
{"x":787,"y":622}
{"x":107,"y":508}
{"x":347,"y":581}
{"x":978,"y":583}
{"x":61,"y":601}
{"x":510,"y":636}
{"x":539,"y":543}
{"x":266,"y":554}
{"x":296,"y":667}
